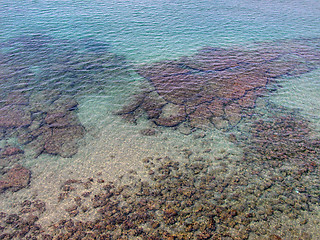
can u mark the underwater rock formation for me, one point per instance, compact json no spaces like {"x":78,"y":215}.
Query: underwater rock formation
{"x":39,"y":61}
{"x":23,"y":224}
{"x":58,"y":130}
{"x":44,"y":122}
{"x":63,"y":141}
{"x":43,"y":76}
{"x":217,"y":86}
{"x":202,"y":197}
{"x":281,"y":139}
{"x":14,"y":116}
{"x":11,"y":151}
{"x":16,"y":178}
{"x":183,"y":201}
{"x":9,"y":156}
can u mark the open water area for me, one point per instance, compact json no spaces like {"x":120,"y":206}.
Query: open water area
{"x":142,"y":119}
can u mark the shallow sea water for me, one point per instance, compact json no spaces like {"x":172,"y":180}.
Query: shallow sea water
{"x":110,"y":125}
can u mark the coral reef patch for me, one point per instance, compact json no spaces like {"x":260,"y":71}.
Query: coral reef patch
{"x":282,"y":138}
{"x":48,"y":123}
{"x":217,"y":86}
{"x":271,"y":191}
{"x":42,"y":77}
{"x":237,"y":199}
{"x":15,"y":179}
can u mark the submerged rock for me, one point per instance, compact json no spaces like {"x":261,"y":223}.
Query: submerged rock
{"x":43,"y":76}
{"x":281,"y":139}
{"x":148,"y":132}
{"x":215,"y":85}
{"x":61,"y":119}
{"x":15,"y":179}
{"x":55,"y":127}
{"x":11,"y":150}
{"x":171,"y":115}
{"x":14,"y":116}
{"x":63,"y":141}
{"x":10,"y":155}
{"x":17,"y":98}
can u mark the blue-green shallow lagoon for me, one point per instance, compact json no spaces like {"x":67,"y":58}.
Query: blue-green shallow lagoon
{"x":83,"y":102}
{"x":151,"y":30}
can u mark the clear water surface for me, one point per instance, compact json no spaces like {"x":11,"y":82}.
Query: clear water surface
{"x":68,"y":67}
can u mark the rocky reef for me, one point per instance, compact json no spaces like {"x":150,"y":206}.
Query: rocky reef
{"x":283,"y":138}
{"x":23,"y":224}
{"x":271,"y":192}
{"x":45,"y":123}
{"x":16,"y":178}
{"x":236,"y":200}
{"x":42,"y":78}
{"x":217,"y":86}
{"x":40,"y":62}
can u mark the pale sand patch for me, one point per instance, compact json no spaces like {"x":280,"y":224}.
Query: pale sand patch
{"x":302,"y":93}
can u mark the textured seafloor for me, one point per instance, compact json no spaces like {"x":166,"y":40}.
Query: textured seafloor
{"x":95,"y":147}
{"x":136,"y":119}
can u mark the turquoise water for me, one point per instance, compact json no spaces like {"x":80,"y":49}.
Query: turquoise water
{"x":83,"y":97}
{"x":149,"y":30}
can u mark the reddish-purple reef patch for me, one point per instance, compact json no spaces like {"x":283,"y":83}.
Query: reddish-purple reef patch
{"x":217,"y":86}
{"x":15,"y":179}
